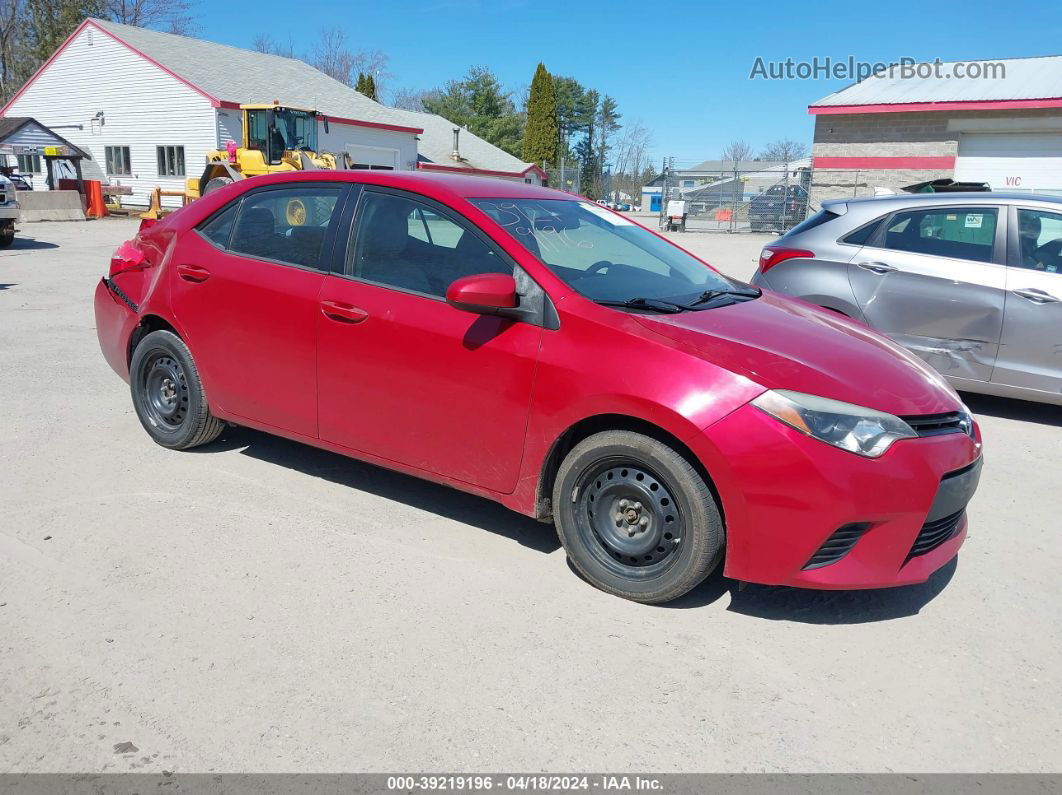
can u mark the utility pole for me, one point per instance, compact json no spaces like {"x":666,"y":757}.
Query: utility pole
{"x":663,"y":194}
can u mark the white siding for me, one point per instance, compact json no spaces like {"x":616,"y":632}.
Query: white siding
{"x":341,"y":136}
{"x":143,"y":107}
{"x":229,"y":127}
{"x":33,"y":135}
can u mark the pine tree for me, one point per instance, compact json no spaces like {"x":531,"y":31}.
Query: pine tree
{"x":540,"y":133}
{"x":361,"y":85}
{"x":370,"y":88}
{"x":478,"y":103}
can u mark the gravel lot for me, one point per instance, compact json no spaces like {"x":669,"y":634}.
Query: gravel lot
{"x":264,"y":606}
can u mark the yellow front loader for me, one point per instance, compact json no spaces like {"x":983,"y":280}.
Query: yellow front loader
{"x":275,"y":138}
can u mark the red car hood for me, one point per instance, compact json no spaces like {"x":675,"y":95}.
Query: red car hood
{"x":781,"y":343}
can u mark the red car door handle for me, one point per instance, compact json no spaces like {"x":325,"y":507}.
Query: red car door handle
{"x":343,"y":313}
{"x":193,"y":273}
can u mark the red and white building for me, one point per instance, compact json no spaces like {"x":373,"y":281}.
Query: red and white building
{"x":148,"y":106}
{"x":1003,"y":127}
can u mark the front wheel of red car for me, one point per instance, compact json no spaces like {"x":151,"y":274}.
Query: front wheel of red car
{"x":636,"y":519}
{"x":168,"y":395}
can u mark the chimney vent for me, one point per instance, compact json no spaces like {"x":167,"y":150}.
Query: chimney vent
{"x":456,"y":154}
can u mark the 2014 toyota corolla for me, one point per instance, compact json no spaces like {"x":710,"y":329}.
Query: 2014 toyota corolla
{"x":540,"y":350}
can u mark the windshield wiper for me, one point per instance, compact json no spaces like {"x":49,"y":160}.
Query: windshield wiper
{"x":654,"y":304}
{"x":711,"y":295}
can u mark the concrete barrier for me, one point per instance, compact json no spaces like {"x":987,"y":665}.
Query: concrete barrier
{"x":50,"y":205}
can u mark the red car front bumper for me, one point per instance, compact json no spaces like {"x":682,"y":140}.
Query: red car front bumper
{"x":785,"y":495}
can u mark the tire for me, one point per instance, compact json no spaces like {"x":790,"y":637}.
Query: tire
{"x":7,"y":235}
{"x":661,"y":533}
{"x":216,"y":183}
{"x":168,"y":395}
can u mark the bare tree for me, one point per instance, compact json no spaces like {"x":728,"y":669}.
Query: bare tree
{"x":172,"y":16}
{"x":784,"y":150}
{"x":331,"y":56}
{"x":267,"y":44}
{"x":631,"y":159}
{"x":410,"y":99}
{"x":374,"y":63}
{"x":737,"y":151}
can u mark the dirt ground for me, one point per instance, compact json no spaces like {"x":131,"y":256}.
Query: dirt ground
{"x":264,"y":606}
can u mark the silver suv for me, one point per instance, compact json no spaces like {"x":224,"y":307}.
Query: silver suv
{"x":971,"y":282}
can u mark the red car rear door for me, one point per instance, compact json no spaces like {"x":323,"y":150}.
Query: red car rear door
{"x":246,"y":294}
{"x":407,"y":377}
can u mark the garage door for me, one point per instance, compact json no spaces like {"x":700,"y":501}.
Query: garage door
{"x":1012,"y":161}
{"x":374,"y":157}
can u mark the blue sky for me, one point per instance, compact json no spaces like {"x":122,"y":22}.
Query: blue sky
{"x":680,"y":67}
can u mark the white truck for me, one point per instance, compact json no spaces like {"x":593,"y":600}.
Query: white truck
{"x":9,"y":211}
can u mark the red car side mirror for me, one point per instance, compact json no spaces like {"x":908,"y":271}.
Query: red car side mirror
{"x":482,"y":293}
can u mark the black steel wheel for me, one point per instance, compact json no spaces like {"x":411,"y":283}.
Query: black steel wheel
{"x":166,"y":389}
{"x":168,"y":395}
{"x":635,"y":517}
{"x":627,"y":518}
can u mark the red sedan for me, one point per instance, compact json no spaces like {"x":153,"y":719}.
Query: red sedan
{"x":542,"y":351}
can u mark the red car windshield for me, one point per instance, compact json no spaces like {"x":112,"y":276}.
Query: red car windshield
{"x":602,"y":255}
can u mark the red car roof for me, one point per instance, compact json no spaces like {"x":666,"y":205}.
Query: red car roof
{"x":427,"y":183}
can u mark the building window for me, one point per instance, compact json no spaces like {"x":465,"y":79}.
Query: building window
{"x":118,"y":161}
{"x":29,"y":164}
{"x":171,"y":160}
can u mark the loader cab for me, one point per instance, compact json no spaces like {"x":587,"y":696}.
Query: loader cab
{"x":275,"y":129}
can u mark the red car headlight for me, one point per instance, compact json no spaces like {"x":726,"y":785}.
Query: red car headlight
{"x":859,"y":430}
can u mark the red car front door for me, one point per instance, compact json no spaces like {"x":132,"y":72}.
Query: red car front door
{"x":405,"y":376}
{"x":246,"y":294}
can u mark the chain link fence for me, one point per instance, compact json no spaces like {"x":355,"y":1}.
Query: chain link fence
{"x":564,"y":176}
{"x":768,"y":198}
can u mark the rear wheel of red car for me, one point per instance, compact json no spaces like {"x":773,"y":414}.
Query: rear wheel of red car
{"x":168,"y":395}
{"x":636,"y":519}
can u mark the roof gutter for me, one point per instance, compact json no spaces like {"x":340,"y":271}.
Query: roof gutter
{"x":922,"y":107}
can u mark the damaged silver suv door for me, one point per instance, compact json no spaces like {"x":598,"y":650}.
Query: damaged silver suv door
{"x":933,"y":278}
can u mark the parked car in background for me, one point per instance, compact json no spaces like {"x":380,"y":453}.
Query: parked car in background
{"x":778,"y":208}
{"x":20,"y":182}
{"x":9,"y":211}
{"x":542,"y":351}
{"x":972,"y":283}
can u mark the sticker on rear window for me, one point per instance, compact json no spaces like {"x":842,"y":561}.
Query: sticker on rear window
{"x":973,"y":221}
{"x":605,"y":215}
